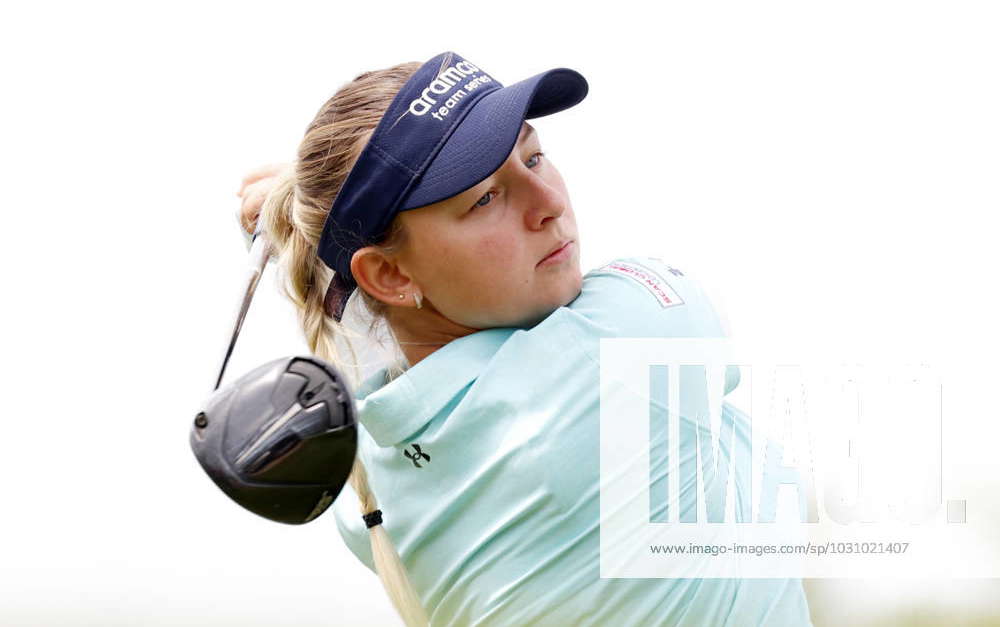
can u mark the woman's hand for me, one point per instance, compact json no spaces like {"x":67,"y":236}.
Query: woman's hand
{"x":254,"y":189}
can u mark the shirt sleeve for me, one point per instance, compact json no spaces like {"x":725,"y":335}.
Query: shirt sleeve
{"x":644,"y":297}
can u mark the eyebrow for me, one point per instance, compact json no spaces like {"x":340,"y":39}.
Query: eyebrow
{"x":523,"y":136}
{"x":526,"y":132}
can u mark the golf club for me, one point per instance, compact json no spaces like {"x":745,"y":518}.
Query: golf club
{"x":281,"y":439}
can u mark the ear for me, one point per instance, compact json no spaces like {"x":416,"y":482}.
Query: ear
{"x":382,"y":276}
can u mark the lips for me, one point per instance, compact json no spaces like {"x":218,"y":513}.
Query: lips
{"x":561,"y":245}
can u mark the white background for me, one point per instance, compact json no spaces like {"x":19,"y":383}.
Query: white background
{"x":827,"y":170}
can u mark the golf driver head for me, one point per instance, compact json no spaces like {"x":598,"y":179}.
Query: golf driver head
{"x":281,"y":439}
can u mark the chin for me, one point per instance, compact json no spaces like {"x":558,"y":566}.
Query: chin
{"x":571,"y":290}
{"x":546,"y":309}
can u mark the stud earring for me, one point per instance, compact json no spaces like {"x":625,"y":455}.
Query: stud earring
{"x":401,"y":297}
{"x":417,"y":299}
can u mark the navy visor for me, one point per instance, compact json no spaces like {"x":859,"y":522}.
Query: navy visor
{"x":448,"y":128}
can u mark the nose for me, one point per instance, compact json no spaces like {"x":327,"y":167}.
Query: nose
{"x":542,"y":200}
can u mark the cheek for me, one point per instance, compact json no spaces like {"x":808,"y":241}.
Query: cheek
{"x":490,"y":268}
{"x":498,"y":250}
{"x":494,"y":265}
{"x":475,"y":263}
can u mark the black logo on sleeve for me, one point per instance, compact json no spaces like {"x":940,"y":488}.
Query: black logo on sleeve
{"x":416,"y":458}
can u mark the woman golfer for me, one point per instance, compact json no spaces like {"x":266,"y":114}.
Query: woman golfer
{"x":421,"y":191}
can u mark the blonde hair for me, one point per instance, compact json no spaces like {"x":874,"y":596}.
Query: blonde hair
{"x":294,"y":214}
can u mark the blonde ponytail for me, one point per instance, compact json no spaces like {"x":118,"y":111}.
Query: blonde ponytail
{"x":294,"y":214}
{"x":389,"y":567}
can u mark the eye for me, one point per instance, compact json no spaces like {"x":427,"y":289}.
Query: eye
{"x":488,"y":196}
{"x":485,"y":200}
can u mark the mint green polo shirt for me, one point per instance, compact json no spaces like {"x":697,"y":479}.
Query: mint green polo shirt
{"x":484,"y":458}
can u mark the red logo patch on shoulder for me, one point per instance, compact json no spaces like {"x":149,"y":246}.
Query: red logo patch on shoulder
{"x":656,"y":284}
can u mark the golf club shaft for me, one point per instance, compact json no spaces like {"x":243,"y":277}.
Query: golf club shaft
{"x":260,"y":252}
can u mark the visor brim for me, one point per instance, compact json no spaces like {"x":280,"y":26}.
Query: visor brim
{"x":484,"y":139}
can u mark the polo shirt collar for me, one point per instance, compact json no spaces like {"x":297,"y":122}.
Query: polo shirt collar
{"x":393,"y":411}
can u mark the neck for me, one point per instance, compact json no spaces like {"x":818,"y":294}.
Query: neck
{"x":422,"y":331}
